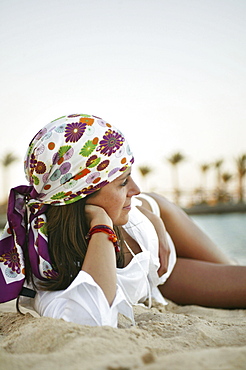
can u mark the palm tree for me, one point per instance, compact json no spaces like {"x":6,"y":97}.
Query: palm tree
{"x":145,"y":171}
{"x":204,"y":168}
{"x":218,"y":165}
{"x":241,"y":171}
{"x":174,"y":160}
{"x":6,"y":161}
{"x":226,"y":177}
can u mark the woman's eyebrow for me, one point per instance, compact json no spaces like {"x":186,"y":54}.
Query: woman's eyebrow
{"x":124,"y":177}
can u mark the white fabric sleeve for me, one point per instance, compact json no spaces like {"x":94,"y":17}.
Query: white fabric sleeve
{"x":83,"y":302}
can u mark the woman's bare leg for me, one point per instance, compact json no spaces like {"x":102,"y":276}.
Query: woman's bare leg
{"x":189,"y":240}
{"x":206,"y":284}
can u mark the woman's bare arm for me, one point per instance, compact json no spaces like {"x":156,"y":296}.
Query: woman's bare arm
{"x":194,"y":282}
{"x":100,"y":260}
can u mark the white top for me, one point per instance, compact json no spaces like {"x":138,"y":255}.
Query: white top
{"x":84,"y":302}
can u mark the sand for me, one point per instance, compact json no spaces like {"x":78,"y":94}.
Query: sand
{"x":165,"y":337}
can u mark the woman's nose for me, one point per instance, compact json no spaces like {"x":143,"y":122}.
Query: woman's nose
{"x":133,"y":189}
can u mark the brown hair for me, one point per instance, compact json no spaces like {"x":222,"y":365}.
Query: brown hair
{"x":67,"y":227}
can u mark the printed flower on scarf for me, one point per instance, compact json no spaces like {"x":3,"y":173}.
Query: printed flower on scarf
{"x":35,"y":180}
{"x":90,"y":130}
{"x":70,"y":184}
{"x":10,"y":273}
{"x":38,"y":223}
{"x":40,"y":134}
{"x":46,"y":266}
{"x":34,"y":207}
{"x":59,"y":195}
{"x":40,"y":167}
{"x":81,"y":174}
{"x":101,"y":122}
{"x":55,"y":158}
{"x":74,"y":197}
{"x":48,"y":269}
{"x":44,"y":229}
{"x":93,"y":161}
{"x":87,"y":149}
{"x":33,"y":161}
{"x":68,"y":154}
{"x":60,"y":128}
{"x":11,"y":259}
{"x":30,"y":148}
{"x":123,"y":169}
{"x":63,"y":150}
{"x":47,"y":187}
{"x":45,"y":177}
{"x":120,"y":152}
{"x":113,"y":171}
{"x":55,"y":176}
{"x":50,"y":274}
{"x":40,"y":149}
{"x":128,"y":150}
{"x":65,"y":167}
{"x":74,"y":131}
{"x":65,"y":178}
{"x":88,"y":121}
{"x":111,"y":142}
{"x":103,"y":165}
{"x":73,"y":115}
{"x":47,"y":136}
{"x":96,"y":117}
{"x":92,"y":189}
{"x":92,"y":177}
{"x":51,"y":145}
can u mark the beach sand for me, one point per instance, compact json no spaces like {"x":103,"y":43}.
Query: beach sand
{"x":165,"y":337}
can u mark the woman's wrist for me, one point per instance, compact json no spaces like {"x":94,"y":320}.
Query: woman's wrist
{"x":105,"y":220}
{"x":105,"y":229}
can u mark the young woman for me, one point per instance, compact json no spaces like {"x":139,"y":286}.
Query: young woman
{"x":85,"y":245}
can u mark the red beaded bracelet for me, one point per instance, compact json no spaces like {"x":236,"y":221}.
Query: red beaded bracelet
{"x":107,"y":230}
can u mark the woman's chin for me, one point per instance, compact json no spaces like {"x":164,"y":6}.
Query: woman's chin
{"x":122,"y":221}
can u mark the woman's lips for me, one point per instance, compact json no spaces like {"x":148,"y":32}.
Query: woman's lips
{"x":127,"y":207}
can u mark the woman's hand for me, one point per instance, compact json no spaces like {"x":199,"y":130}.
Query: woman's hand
{"x":164,"y":250}
{"x":97,"y":215}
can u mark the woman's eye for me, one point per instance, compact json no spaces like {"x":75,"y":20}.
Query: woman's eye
{"x":125,"y":182}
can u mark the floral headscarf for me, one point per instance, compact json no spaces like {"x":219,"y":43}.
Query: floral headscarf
{"x":68,"y":159}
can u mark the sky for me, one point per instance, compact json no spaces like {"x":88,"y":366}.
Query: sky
{"x":170,"y":74}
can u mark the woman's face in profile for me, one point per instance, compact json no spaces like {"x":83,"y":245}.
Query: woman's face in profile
{"x":115,"y":198}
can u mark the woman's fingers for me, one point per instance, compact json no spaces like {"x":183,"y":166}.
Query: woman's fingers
{"x":164,"y":253}
{"x":97,"y":215}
